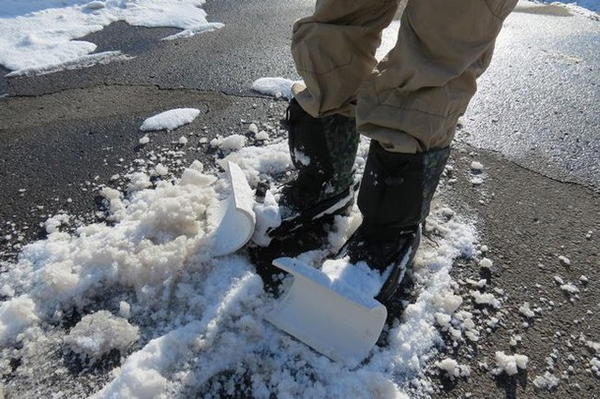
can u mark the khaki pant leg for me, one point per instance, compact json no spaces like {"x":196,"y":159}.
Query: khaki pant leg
{"x":413,"y":100}
{"x":334,"y":52}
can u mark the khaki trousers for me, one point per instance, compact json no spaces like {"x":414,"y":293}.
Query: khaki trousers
{"x":409,"y":102}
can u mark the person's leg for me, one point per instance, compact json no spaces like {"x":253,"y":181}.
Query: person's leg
{"x":413,"y":100}
{"x":410,"y":107}
{"x":334,"y":52}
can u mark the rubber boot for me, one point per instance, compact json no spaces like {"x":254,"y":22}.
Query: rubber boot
{"x":323,"y":151}
{"x":394,"y":198}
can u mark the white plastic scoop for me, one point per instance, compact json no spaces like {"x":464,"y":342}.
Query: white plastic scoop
{"x":334,"y":321}
{"x":235,"y":215}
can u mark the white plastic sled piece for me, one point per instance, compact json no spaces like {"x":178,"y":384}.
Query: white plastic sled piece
{"x":336,"y":323}
{"x":235,"y":215}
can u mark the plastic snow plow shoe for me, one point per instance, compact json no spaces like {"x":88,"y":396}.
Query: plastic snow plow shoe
{"x":334,"y":321}
{"x":234,"y":217}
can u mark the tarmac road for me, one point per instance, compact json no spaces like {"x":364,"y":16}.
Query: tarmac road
{"x":537,"y":107}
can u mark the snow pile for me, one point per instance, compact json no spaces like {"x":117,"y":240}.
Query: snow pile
{"x":39,"y":35}
{"x":510,"y":364}
{"x":171,"y":119}
{"x":546,"y":381}
{"x":200,"y":318}
{"x":276,"y":87}
{"x":99,"y":333}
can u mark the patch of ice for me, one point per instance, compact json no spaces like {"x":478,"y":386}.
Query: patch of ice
{"x":171,"y":119}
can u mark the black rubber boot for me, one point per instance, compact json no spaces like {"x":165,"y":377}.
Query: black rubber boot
{"x":394,"y":198}
{"x":323,"y":151}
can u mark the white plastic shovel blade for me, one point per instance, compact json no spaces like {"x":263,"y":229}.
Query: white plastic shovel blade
{"x":235,"y":214}
{"x":335,"y":324}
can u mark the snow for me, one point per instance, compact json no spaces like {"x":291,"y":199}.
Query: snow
{"x":564,"y":260}
{"x":546,"y":381}
{"x":171,"y":119}
{"x":453,"y":369}
{"x":569,"y":288}
{"x":510,"y":364}
{"x":233,"y":142}
{"x":486,"y":263}
{"x":268,"y":215}
{"x":476,"y":166}
{"x":301,"y":157}
{"x":485,"y":299}
{"x":526,"y":311}
{"x":99,"y":333}
{"x":41,"y":35}
{"x":262,"y":135}
{"x":16,"y":315}
{"x":201,"y":318}
{"x":276,"y":87}
{"x":252,"y":128}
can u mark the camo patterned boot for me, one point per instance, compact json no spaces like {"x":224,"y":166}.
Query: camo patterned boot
{"x":323,"y":151}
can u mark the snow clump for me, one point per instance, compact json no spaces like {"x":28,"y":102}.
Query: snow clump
{"x":234,"y":142}
{"x":16,"y":315}
{"x":276,"y":87}
{"x":171,"y":119}
{"x":546,"y":381}
{"x":99,"y":333}
{"x":453,"y":369}
{"x":510,"y":364}
{"x":526,"y":311}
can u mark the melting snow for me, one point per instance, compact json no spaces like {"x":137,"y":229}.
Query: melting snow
{"x":39,"y":35}
{"x":171,"y":119}
{"x":200,"y":319}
